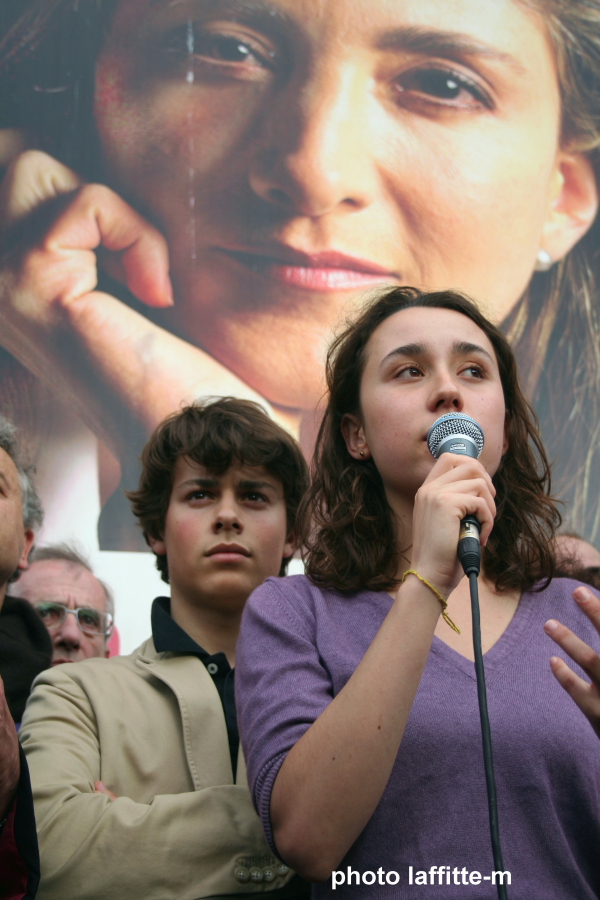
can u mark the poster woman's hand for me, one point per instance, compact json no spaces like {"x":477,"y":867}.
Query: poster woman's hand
{"x":110,"y":363}
{"x":586,"y":695}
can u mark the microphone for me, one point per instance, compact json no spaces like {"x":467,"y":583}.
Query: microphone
{"x":459,"y":433}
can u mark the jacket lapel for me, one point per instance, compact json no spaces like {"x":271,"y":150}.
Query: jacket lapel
{"x":202,"y":718}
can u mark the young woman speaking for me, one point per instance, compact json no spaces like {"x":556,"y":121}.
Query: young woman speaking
{"x":357,"y":699}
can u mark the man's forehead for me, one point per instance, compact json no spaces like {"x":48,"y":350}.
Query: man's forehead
{"x":63,"y":581}
{"x":8,"y":470}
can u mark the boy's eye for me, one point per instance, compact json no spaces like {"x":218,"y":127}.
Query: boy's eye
{"x":198,"y":495}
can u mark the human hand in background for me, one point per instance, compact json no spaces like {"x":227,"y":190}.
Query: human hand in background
{"x":586,"y":695}
{"x":120,"y":372}
{"x":9,"y":756}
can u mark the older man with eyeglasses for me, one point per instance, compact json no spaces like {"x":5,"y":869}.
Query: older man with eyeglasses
{"x":76,"y":607}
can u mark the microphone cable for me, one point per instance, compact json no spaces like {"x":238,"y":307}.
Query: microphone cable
{"x":469,"y":554}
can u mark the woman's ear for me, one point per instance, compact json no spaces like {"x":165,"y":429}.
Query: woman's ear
{"x":572,"y":204}
{"x":354,"y":435}
{"x":506,"y":441}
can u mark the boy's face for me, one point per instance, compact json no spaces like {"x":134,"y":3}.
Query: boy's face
{"x":224,"y":534}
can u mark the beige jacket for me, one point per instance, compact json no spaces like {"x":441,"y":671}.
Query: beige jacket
{"x":151,"y":727}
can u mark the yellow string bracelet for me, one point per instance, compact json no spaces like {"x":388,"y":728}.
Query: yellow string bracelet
{"x":444,"y":602}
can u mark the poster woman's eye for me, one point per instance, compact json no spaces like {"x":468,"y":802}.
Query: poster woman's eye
{"x":220,"y":48}
{"x":444,"y":87}
{"x":230,"y":49}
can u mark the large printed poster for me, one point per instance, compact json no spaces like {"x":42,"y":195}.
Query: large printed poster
{"x":196,"y":193}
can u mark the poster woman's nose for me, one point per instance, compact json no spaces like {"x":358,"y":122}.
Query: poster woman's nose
{"x":317,"y":156}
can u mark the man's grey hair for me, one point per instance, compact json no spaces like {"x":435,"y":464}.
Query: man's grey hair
{"x":70,"y":553}
{"x":33,"y":514}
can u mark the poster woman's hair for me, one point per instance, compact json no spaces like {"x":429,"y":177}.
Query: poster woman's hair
{"x":349,"y":529}
{"x":47,"y":63}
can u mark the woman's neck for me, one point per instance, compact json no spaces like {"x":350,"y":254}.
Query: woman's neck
{"x":402,"y":510}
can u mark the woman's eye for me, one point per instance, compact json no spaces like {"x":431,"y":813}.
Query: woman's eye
{"x":443,"y":86}
{"x":253,"y":497}
{"x":224,"y":49}
{"x":409,"y":372}
{"x":474,"y":371}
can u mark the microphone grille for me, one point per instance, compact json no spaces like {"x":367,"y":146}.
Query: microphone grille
{"x":454,"y":424}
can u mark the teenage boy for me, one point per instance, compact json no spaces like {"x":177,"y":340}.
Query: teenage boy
{"x":138,"y":779}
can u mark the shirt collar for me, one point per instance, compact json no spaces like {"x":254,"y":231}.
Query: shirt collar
{"x":167,"y":635}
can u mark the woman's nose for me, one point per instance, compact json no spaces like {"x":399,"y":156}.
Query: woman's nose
{"x":316,"y":155}
{"x":446,"y":394}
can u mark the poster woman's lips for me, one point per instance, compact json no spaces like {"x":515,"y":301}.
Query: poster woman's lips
{"x":326,"y":271}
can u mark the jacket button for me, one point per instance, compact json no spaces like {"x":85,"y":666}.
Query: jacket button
{"x":282,"y":869}
{"x":269,"y":873}
{"x":256,"y":874}
{"x":242,"y":874}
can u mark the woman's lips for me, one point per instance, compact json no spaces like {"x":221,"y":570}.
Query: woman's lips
{"x":330,"y":271}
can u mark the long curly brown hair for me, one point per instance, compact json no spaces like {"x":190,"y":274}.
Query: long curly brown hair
{"x":350,"y":533}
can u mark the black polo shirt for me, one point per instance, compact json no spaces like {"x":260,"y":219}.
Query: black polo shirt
{"x":169,"y":637}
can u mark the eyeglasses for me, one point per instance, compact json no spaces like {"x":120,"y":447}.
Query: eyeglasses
{"x":91,"y":621}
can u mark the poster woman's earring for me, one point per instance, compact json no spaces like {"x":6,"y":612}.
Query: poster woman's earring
{"x":543,"y":262}
{"x":362,"y":452}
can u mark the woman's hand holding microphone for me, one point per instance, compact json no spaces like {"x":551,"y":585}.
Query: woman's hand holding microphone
{"x":457,"y":486}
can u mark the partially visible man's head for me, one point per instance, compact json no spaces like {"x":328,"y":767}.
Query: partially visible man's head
{"x":575,"y":552}
{"x":577,"y":558}
{"x":20,"y":507}
{"x":76,"y":606}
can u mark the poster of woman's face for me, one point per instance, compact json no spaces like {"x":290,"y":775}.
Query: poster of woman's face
{"x":209,"y":188}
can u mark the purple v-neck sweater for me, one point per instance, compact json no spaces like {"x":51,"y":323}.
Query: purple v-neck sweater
{"x":300,"y":644}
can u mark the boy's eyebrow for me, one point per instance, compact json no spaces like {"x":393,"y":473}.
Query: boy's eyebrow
{"x":460,"y":348}
{"x":246,"y":484}
{"x":250,"y":484}
{"x":201,"y":482}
